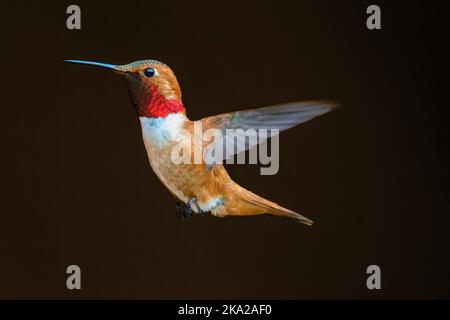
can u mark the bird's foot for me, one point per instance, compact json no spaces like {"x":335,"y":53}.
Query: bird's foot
{"x":184,"y":210}
{"x":194,"y":201}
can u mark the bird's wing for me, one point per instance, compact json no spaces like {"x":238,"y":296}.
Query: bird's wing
{"x":253,"y":123}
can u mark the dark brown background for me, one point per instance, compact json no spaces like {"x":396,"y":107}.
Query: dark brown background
{"x":77,"y":187}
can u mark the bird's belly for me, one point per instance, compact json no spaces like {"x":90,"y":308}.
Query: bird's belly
{"x":189,"y":180}
{"x":184,"y":180}
{"x":174,"y":177}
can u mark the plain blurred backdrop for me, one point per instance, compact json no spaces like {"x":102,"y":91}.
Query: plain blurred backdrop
{"x":77,"y":187}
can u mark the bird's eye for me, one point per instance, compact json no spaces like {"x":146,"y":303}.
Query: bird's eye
{"x":149,"y":72}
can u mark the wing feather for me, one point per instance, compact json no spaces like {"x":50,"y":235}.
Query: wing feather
{"x":275,"y":118}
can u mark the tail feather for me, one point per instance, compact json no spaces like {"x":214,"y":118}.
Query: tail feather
{"x":255,"y":204}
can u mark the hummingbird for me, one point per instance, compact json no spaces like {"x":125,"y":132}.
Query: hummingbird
{"x":202,"y":187}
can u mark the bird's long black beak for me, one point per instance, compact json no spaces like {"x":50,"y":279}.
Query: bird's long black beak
{"x":95,"y":64}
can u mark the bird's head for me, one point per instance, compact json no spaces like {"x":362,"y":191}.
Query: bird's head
{"x":154,"y":89}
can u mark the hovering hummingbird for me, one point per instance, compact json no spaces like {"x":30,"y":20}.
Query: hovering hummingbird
{"x":201,"y":187}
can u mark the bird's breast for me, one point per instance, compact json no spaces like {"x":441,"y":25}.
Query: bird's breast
{"x":160,"y":136}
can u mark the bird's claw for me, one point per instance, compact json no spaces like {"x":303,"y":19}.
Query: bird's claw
{"x":184,"y":210}
{"x":195,"y":202}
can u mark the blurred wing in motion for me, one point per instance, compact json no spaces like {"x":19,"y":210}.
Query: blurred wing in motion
{"x":254,"y":122}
